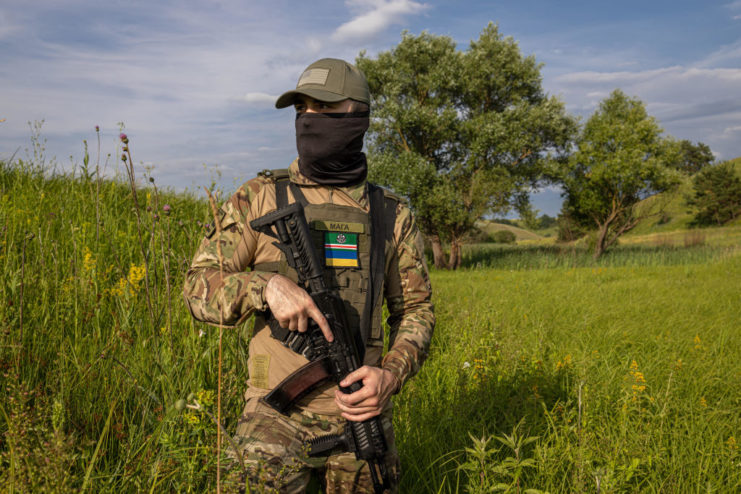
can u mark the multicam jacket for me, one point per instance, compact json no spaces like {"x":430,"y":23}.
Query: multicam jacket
{"x":406,"y":290}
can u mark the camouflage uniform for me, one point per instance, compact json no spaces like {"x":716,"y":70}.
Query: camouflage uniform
{"x":268,"y":439}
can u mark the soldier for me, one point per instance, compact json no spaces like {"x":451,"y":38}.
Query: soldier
{"x":332,"y":104}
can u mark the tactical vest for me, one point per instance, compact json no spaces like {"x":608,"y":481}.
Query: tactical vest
{"x":353,"y":247}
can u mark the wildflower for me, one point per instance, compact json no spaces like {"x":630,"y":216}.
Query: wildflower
{"x":88,"y":261}
{"x":731,"y":443}
{"x":698,"y":342}
{"x":192,"y":418}
{"x":130,"y":284}
{"x":124,"y":138}
{"x":639,"y":381}
{"x":466,"y":365}
{"x":166,"y":209}
{"x":678,"y":364}
{"x":201,"y":333}
{"x":703,"y":402}
{"x":564,"y":364}
{"x":97,"y":128}
{"x":205,"y":397}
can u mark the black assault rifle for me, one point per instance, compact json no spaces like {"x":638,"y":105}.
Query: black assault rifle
{"x":333,"y":360}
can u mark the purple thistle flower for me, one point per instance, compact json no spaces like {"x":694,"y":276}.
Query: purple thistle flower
{"x":166,"y":208}
{"x":124,"y":138}
{"x":97,"y":128}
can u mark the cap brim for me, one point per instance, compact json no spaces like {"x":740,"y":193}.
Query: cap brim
{"x":289,"y":97}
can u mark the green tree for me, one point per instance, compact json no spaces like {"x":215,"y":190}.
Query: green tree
{"x":460,"y":134}
{"x":620,"y":159}
{"x":717,"y":194}
{"x":693,"y":157}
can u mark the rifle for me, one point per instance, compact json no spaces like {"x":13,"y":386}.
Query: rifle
{"x":333,"y":360}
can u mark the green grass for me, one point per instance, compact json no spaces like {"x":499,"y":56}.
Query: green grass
{"x":549,"y":345}
{"x":536,"y":339}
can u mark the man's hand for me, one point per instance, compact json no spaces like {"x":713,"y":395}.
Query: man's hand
{"x":368,"y":401}
{"x":292,"y":306}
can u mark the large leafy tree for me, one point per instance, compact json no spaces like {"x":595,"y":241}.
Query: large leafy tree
{"x":716,"y":194}
{"x":620,"y":159}
{"x":461,"y":134}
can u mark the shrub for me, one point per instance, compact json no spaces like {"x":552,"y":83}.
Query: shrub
{"x":503,"y":237}
{"x":717,"y":195}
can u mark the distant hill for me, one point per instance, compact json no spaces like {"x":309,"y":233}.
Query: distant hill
{"x":677,"y":214}
{"x":491,"y":227}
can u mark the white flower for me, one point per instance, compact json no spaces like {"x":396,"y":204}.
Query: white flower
{"x":466,"y":365}
{"x":201,"y":333}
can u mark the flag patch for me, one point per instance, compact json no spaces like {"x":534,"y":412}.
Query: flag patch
{"x":341,"y":249}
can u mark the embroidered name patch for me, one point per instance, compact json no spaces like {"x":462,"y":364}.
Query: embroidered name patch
{"x":338,"y":226}
{"x":341,"y":249}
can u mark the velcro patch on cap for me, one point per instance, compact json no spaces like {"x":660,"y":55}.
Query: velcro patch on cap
{"x":313,"y":76}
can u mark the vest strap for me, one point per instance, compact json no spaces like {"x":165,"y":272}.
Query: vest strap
{"x":378,"y":247}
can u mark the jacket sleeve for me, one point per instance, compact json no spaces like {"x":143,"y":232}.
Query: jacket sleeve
{"x":229,"y":299}
{"x":408,"y":297}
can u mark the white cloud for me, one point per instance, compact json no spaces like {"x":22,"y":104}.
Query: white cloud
{"x":690,"y":102}
{"x":727,"y":55}
{"x":374,"y":17}
{"x":260,"y":98}
{"x":730,"y":131}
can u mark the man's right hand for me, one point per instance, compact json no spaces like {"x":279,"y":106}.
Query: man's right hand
{"x":292,"y":306}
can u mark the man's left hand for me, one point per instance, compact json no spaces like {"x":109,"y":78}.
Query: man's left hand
{"x":378,"y":386}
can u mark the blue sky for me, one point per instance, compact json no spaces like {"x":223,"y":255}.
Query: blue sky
{"x":194,"y":82}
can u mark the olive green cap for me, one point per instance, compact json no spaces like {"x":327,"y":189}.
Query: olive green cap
{"x":330,"y":80}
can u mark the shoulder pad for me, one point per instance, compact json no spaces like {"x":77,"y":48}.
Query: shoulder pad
{"x":277,"y":174}
{"x":390,"y":195}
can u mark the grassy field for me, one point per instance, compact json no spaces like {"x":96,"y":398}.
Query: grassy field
{"x":548,"y":371}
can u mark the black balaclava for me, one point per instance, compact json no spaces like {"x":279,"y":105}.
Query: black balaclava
{"x":330,"y":147}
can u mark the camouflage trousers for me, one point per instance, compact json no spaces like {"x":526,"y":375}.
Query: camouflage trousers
{"x":271,"y":447}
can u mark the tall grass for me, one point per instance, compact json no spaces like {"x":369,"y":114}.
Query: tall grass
{"x":547,"y":370}
{"x":106,"y":345}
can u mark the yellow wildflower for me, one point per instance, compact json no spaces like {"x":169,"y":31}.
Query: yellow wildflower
{"x":205,"y":397}
{"x":703,"y":402}
{"x":698,"y":342}
{"x":88,"y":261}
{"x":639,"y":380}
{"x":564,"y":364}
{"x":130,"y":284}
{"x":192,"y":418}
{"x":731,"y":443}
